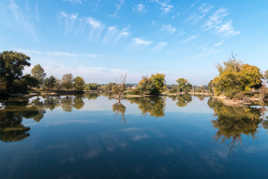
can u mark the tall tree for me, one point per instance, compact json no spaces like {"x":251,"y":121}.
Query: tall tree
{"x":79,"y":83}
{"x":236,"y":78}
{"x":50,"y":82}
{"x":39,"y":73}
{"x":11,"y":68}
{"x":153,"y":85}
{"x":120,"y":88}
{"x":184,"y":85}
{"x":67,"y":81}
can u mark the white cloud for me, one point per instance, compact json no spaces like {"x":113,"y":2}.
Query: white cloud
{"x":216,"y":19}
{"x":118,"y":7}
{"x":203,"y":10}
{"x":92,"y":74}
{"x":95,"y":29}
{"x":140,"y":7}
{"x":113,"y":34}
{"x":23,"y":20}
{"x":218,"y":44}
{"x":69,"y":21}
{"x":74,"y":1}
{"x":227,"y":29}
{"x":94,"y":23}
{"x":160,"y":46}
{"x":55,"y":53}
{"x":217,"y":22}
{"x":139,"y":41}
{"x":189,"y":39}
{"x":169,"y":28}
{"x":164,"y":6}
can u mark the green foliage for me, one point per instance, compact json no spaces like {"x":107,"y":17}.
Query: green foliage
{"x":91,"y":86}
{"x":39,"y":73}
{"x":50,"y":83}
{"x":155,"y":106}
{"x":236,"y":78}
{"x":184,"y":85}
{"x":119,"y":108}
{"x":79,"y":83}
{"x":67,"y":81}
{"x":232,"y":122}
{"x":153,"y":85}
{"x":11,"y":69}
{"x":78,"y":102}
{"x":183,"y":100}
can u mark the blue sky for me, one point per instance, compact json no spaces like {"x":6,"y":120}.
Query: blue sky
{"x":103,"y":39}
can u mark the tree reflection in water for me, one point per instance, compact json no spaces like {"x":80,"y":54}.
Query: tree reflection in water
{"x":67,"y":103}
{"x":183,"y":100}
{"x":78,"y":102}
{"x":232,"y":122}
{"x":11,"y":127}
{"x":155,"y":106}
{"x":120,"y":109}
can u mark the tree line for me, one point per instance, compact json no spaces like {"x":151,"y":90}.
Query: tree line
{"x":234,"y":80}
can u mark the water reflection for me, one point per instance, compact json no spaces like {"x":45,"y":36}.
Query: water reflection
{"x":232,"y":122}
{"x":183,"y":100}
{"x":120,"y":109}
{"x":11,"y":127}
{"x":154,"y":106}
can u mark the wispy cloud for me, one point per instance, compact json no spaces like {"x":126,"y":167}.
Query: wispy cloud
{"x":113,"y":34}
{"x":74,"y":1}
{"x":160,"y":46}
{"x":218,"y":44}
{"x":56,"y":53}
{"x":202,"y":11}
{"x":218,"y":23}
{"x":140,"y":7}
{"x":69,"y":21}
{"x":216,"y":19}
{"x":139,"y":41}
{"x":228,"y":29}
{"x":96,"y":29}
{"x":168,"y":28}
{"x":164,"y":5}
{"x":24,"y":21}
{"x":189,"y":39}
{"x":118,"y":6}
{"x":94,"y":23}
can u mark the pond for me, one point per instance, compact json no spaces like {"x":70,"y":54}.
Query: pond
{"x":96,"y":137}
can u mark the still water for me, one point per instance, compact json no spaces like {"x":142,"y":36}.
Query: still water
{"x":96,"y":137}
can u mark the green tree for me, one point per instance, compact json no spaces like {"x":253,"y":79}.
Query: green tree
{"x":159,"y":82}
{"x":79,"y":83}
{"x":153,"y":85}
{"x":91,"y":86}
{"x":183,"y":85}
{"x":11,"y":68}
{"x":236,"y":78}
{"x":39,"y":73}
{"x":50,"y":82}
{"x":67,"y":81}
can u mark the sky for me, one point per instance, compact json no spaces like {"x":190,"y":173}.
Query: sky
{"x":101,"y":40}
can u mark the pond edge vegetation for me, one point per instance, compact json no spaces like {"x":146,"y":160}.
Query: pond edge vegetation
{"x":236,"y":84}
